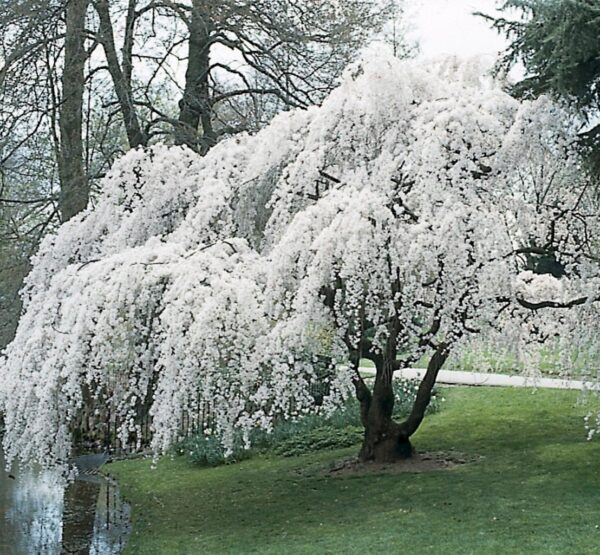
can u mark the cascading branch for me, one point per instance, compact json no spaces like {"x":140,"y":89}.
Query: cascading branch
{"x":418,"y":208}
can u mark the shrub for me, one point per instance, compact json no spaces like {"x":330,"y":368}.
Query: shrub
{"x":316,"y":439}
{"x":311,"y":433}
{"x":208,"y":450}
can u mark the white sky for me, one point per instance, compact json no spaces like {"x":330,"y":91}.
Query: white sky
{"x":442,"y":27}
{"x":448,"y":27}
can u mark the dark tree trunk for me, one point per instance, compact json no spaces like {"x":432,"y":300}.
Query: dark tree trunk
{"x":195,"y":108}
{"x":121,"y":77}
{"x":386,"y":440}
{"x":412,"y":423}
{"x":382,"y":441}
{"x":74,"y":188}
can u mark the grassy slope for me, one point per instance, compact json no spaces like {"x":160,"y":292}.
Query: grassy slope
{"x":536,"y":490}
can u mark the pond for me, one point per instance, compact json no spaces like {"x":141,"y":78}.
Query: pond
{"x":39,"y":516}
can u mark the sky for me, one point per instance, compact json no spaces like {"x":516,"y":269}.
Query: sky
{"x":444,"y":27}
{"x":448,"y":27}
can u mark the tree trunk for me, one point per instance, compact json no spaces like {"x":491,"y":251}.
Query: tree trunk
{"x":385,"y":440}
{"x":74,"y":188}
{"x":195,"y":106}
{"x":121,"y":77}
{"x":382,"y":441}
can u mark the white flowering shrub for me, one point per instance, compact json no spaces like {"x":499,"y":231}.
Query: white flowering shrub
{"x":407,"y":214}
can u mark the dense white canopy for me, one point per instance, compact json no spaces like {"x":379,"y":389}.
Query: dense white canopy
{"x":418,"y":194}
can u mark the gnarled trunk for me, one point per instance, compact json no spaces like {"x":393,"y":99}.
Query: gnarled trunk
{"x":386,"y":440}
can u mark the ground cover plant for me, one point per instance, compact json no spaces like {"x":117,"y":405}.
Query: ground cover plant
{"x":313,"y":432}
{"x":532,"y":486}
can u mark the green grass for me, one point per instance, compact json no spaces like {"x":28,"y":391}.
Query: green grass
{"x":534,"y":489}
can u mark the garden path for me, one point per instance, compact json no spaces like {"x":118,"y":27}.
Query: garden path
{"x":484,"y":378}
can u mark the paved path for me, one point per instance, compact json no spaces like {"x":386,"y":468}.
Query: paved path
{"x":480,"y":378}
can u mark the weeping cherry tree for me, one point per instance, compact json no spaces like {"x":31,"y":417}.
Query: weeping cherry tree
{"x":419,"y":207}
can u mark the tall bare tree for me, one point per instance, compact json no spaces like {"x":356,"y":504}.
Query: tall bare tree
{"x":297,"y":48}
{"x":230,"y":51}
{"x":121,"y":71}
{"x":74,"y":187}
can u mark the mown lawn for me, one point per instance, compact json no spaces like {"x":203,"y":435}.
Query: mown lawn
{"x":535,"y":488}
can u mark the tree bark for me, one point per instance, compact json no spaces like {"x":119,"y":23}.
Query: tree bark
{"x":385,"y":440}
{"x":121,"y":77}
{"x":195,"y":107}
{"x":74,"y":187}
{"x":381,"y":442}
{"x":412,"y":423}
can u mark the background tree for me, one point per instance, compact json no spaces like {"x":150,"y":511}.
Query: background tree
{"x":395,"y":31}
{"x":81,"y":82}
{"x":74,"y":187}
{"x":28,"y":145}
{"x":233,"y":50}
{"x":398,"y":217}
{"x":121,"y":72}
{"x":558,"y":42}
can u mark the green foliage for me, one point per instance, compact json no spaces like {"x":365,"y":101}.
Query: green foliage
{"x":317,"y":439}
{"x":205,"y":450}
{"x":304,"y":435}
{"x":558,"y":42}
{"x":347,"y":416}
{"x":311,"y":433}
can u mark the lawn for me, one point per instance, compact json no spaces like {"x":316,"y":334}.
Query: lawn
{"x":535,"y":488}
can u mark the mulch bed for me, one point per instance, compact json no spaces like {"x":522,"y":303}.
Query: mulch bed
{"x":419,"y":462}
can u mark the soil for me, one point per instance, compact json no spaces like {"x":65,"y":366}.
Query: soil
{"x":419,"y":462}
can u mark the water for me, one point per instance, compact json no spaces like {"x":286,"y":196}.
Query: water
{"x":38,"y":516}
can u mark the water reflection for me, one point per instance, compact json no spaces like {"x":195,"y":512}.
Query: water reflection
{"x":39,"y":516}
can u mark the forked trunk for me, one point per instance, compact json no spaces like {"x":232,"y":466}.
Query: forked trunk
{"x":386,"y":440}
